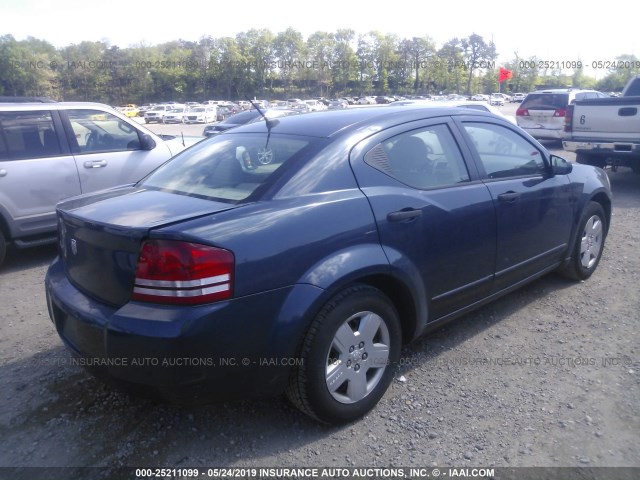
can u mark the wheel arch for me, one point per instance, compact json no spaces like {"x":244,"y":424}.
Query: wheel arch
{"x":402,"y":299}
{"x":605,"y":202}
{"x":369,"y":265}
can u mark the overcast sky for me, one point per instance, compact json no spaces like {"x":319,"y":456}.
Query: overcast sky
{"x":552,"y":30}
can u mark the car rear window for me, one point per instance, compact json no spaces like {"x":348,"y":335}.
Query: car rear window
{"x":545,"y":101}
{"x":228,"y":167}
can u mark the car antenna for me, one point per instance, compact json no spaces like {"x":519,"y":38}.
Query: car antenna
{"x":270,"y":123}
{"x":182,"y":134}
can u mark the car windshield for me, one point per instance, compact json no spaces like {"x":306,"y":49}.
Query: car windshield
{"x":226,"y":168}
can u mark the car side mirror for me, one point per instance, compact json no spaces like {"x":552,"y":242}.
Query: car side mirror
{"x":560,"y":166}
{"x":146,"y":142}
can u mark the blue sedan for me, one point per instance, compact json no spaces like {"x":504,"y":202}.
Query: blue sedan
{"x":299,"y":254}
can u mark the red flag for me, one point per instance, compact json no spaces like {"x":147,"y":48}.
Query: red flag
{"x":504,"y":75}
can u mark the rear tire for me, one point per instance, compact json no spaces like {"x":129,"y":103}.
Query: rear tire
{"x":347,"y":356}
{"x":589,"y":244}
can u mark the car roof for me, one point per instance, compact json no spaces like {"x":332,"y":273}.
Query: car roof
{"x":562,"y":90}
{"x":52,"y":106}
{"x":330,"y":123}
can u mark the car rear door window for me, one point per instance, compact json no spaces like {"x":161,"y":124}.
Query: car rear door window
{"x":28,"y":134}
{"x":423,"y":158}
{"x":502,"y":152}
{"x":100,"y":131}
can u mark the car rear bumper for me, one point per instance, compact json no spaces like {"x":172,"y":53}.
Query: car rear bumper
{"x":603,"y":148}
{"x":231,"y":349}
{"x":543,"y":133}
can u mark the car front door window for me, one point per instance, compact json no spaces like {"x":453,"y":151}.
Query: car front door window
{"x":99,"y":131}
{"x":503,"y":153}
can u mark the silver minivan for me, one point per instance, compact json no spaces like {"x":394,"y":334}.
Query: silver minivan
{"x":541,"y":113}
{"x":52,"y":151}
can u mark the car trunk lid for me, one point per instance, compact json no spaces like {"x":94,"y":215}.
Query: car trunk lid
{"x":100,"y":235}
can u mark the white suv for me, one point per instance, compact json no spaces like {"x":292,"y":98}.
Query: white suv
{"x":157,"y":113}
{"x":541,"y":113}
{"x":52,"y":151}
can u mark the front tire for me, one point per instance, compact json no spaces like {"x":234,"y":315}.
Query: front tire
{"x":347,"y":356}
{"x":589,"y":244}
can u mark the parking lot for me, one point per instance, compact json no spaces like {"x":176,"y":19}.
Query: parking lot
{"x":195,"y":129}
{"x":547,"y":376}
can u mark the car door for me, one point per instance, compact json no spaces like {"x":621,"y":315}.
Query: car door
{"x":435,"y":220}
{"x":37,"y":170}
{"x":108,"y":150}
{"x":534,"y":208}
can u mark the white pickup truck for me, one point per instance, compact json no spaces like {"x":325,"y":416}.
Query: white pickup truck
{"x":606,"y":131}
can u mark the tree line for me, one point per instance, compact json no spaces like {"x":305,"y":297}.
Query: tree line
{"x":260,"y":64}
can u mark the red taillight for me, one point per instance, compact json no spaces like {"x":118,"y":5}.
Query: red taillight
{"x":568,"y":119}
{"x":183,"y":273}
{"x":522,"y":112}
{"x":560,"y":112}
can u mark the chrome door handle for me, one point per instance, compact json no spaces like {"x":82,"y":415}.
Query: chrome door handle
{"x":95,"y":163}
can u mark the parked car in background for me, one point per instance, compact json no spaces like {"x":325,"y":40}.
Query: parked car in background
{"x":130,"y":110}
{"x":390,"y":221}
{"x":367,"y":100}
{"x":517,"y":97}
{"x":498,"y":99}
{"x":175,"y":115}
{"x":143,"y":109}
{"x":225,"y":110}
{"x":338,"y":104}
{"x":52,"y":151}
{"x":384,"y":99}
{"x":541,"y":114}
{"x":315,"y":105}
{"x":456,"y":97}
{"x":260,"y":103}
{"x":606,"y":131}
{"x":204,"y":114}
{"x":480,"y":98}
{"x":243,"y":118}
{"x":473,"y":105}
{"x":301,"y":107}
{"x":156,"y":113}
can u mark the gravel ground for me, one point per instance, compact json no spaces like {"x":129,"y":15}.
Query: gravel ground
{"x":547,"y":376}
